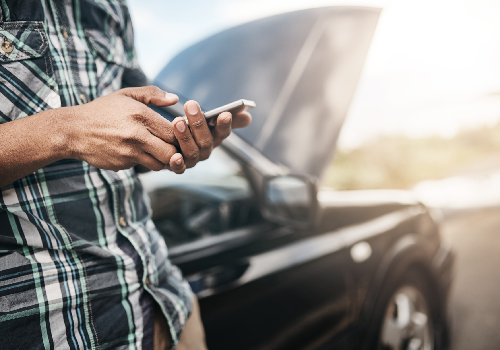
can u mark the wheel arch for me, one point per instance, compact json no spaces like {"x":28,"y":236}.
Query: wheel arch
{"x":407,"y":253}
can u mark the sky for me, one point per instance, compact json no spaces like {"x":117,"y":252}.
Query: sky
{"x":433,"y":66}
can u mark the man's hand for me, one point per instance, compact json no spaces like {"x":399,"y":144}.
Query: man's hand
{"x":196,"y":140}
{"x":119,"y":131}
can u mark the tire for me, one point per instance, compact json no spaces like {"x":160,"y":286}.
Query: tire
{"x":406,"y":316}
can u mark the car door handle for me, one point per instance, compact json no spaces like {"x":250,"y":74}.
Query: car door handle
{"x":218,"y":277}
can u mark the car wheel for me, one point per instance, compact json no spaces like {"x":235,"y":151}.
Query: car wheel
{"x":406,"y":315}
{"x":407,"y":323}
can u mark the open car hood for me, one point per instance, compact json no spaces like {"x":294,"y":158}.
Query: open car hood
{"x":301,"y":68}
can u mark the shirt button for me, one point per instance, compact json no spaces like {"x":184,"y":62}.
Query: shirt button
{"x":122,"y":222}
{"x":64,"y":33}
{"x":82,"y":98}
{"x":7,"y":47}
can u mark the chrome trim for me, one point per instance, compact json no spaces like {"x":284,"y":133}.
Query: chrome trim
{"x":217,"y":243}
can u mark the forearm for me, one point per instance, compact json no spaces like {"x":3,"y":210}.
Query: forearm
{"x":31,"y":143}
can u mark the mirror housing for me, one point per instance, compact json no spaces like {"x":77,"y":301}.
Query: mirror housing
{"x":291,"y":200}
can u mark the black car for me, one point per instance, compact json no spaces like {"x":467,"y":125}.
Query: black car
{"x":276,"y":262}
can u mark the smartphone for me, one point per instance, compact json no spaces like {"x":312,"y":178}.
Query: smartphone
{"x":229,"y":107}
{"x":226,"y":108}
{"x":178,"y":109}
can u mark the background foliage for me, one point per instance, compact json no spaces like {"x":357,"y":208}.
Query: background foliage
{"x":400,"y":162}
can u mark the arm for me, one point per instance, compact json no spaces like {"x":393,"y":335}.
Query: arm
{"x":32,"y":143}
{"x":114,"y":132}
{"x":111,"y":132}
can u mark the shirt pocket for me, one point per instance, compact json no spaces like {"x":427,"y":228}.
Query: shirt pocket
{"x":111,"y":57}
{"x":27,"y":84}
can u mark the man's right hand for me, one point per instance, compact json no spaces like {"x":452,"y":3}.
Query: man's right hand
{"x":119,"y":131}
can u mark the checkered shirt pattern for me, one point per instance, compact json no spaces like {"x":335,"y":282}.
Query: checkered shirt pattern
{"x":79,"y":253}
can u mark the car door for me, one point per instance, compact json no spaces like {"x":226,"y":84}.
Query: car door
{"x":256,"y":290}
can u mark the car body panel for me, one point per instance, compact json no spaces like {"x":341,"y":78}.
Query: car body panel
{"x":271,"y":286}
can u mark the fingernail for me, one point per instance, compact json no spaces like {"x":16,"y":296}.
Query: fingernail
{"x":178,"y":161}
{"x":192,"y":107}
{"x":169,"y":96}
{"x":180,"y":126}
{"x":227,"y":119}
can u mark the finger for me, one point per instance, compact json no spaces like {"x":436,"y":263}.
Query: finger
{"x":188,"y":146}
{"x":239,"y":109}
{"x":150,"y":162}
{"x":150,"y":95}
{"x":199,"y":129}
{"x":157,"y":125}
{"x":176,"y":164}
{"x":159,"y":149}
{"x":241,"y":119}
{"x":212,"y":122}
{"x":222,"y":128}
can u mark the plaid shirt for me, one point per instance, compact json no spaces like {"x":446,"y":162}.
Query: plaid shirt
{"x":79,"y":254}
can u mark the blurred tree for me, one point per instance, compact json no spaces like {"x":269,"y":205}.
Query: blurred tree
{"x":400,"y":162}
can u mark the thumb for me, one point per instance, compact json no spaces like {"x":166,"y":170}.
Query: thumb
{"x":150,"y":95}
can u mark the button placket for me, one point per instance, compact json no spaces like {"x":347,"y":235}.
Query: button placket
{"x":125,"y":229}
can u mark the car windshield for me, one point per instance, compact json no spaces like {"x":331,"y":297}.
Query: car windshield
{"x":211,"y":198}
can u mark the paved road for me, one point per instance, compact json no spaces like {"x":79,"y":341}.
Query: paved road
{"x":475,"y":296}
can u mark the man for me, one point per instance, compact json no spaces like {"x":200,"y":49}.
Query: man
{"x":81,"y":264}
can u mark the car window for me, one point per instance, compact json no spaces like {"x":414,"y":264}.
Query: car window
{"x":211,"y":198}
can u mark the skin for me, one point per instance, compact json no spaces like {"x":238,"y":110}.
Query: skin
{"x":114,"y":132}
{"x":192,"y":337}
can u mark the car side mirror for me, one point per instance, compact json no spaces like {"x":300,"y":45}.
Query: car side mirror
{"x":290,"y":200}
